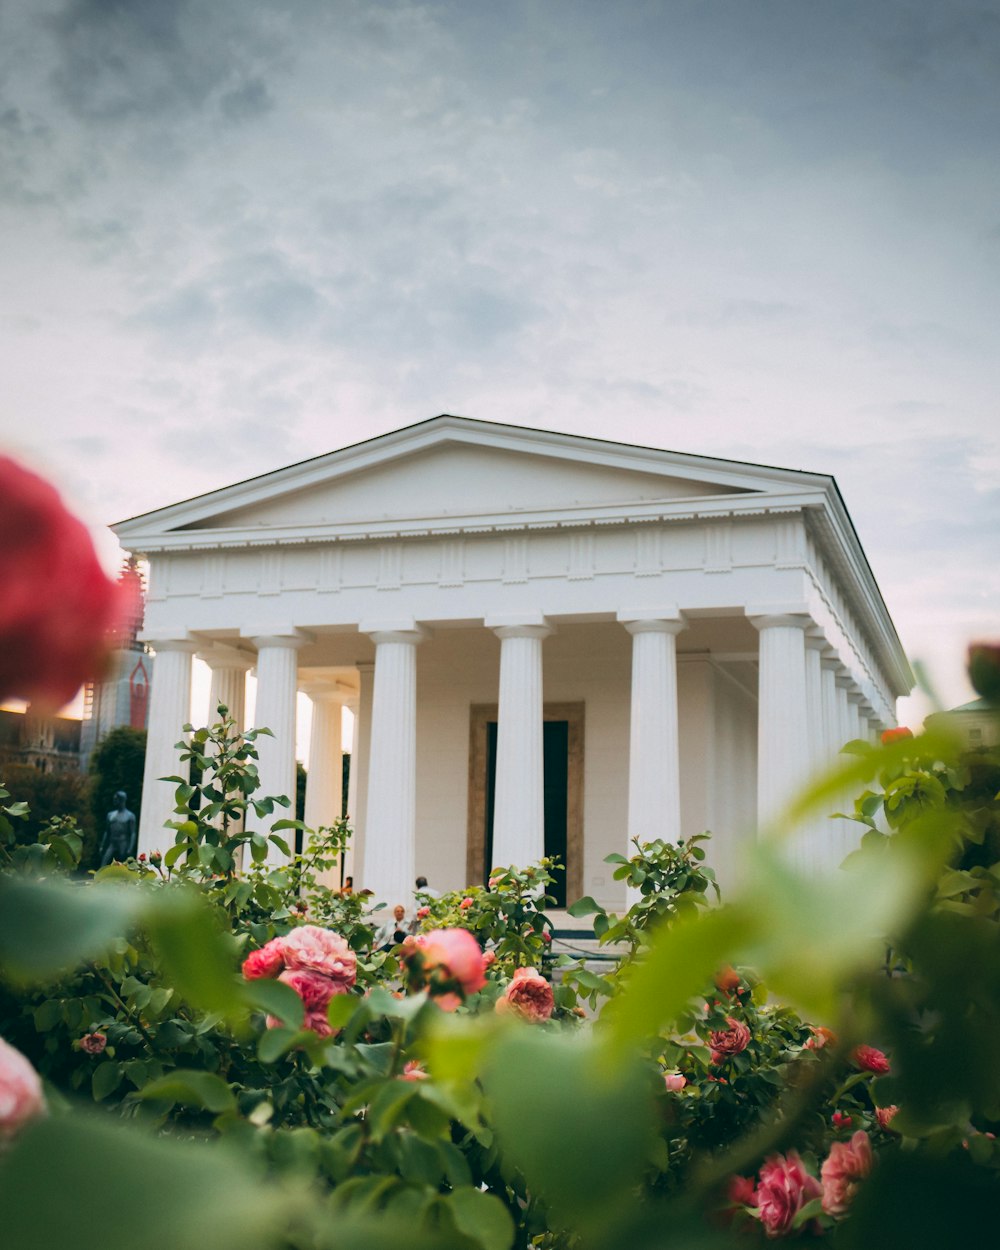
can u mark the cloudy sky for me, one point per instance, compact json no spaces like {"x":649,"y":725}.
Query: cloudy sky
{"x":236,"y":234}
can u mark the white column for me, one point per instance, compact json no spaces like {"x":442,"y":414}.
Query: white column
{"x":325,"y":770}
{"x":844,"y":684}
{"x":357,"y":790}
{"x":519,"y":808}
{"x":829,"y":664}
{"x":390,"y":855}
{"x":229,"y":682}
{"x":169,"y":711}
{"x":654,"y":800}
{"x":277,"y":685}
{"x":858,"y":728}
{"x":782,"y":723}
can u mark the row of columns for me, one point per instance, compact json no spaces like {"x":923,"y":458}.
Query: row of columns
{"x":808,"y":707}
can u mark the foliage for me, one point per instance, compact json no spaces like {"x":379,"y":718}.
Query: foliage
{"x":116,"y":763}
{"x":49,"y":795}
{"x":766,"y":1046}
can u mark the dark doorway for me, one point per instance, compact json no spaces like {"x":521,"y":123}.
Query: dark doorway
{"x":555,"y":747}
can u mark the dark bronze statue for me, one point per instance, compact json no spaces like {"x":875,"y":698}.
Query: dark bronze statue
{"x":120,"y":840}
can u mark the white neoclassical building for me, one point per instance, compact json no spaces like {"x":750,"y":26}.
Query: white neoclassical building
{"x":550,"y":644}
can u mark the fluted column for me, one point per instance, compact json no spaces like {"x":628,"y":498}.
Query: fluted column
{"x":277,"y":685}
{"x":844,"y":684}
{"x":391,"y":819}
{"x":859,"y":729}
{"x":325,"y":770}
{"x":519,"y":808}
{"x":169,"y":711}
{"x":229,"y":683}
{"x":654,"y":800}
{"x":357,"y":790}
{"x":829,"y":665}
{"x":782,"y":725}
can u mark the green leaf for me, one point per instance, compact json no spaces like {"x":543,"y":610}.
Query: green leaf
{"x":483,"y":1217}
{"x":106,"y":1079}
{"x":191,"y":1089}
{"x":47,"y":928}
{"x":197,"y":956}
{"x":387,"y":1106}
{"x":274,"y":1043}
{"x":578,"y":1126}
{"x":276,"y":998}
{"x":680,"y":962}
{"x":585,"y":906}
{"x":164,"y":1194}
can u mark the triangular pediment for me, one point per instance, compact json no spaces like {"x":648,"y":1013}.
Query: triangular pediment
{"x":460,"y":480}
{"x":453,"y":470}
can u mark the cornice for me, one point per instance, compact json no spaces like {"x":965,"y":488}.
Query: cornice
{"x":154,"y":540}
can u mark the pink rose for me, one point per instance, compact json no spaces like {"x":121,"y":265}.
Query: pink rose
{"x":728,"y":1042}
{"x":821,"y":1036}
{"x":21,"y":1096}
{"x":414,"y":1071}
{"x":315,"y":990}
{"x":448,"y":959}
{"x":884,"y":1115}
{"x":312,"y":949}
{"x":847,"y":1164}
{"x":465,"y":904}
{"x":528,"y":995}
{"x":489,"y":959}
{"x":784,"y":1189}
{"x":742,"y":1191}
{"x":93,"y":1043}
{"x":674,"y":1081}
{"x":423,"y":913}
{"x":58,"y":611}
{"x":840,"y":1119}
{"x":871,"y":1060}
{"x":266,"y":962}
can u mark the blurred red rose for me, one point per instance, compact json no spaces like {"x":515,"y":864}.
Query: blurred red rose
{"x":984,"y":670}
{"x":58,"y":609}
{"x":900,"y":734}
{"x":869,"y":1059}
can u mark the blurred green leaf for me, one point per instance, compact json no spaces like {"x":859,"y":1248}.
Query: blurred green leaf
{"x":47,"y":928}
{"x":483,"y":1217}
{"x":681,"y":961}
{"x":578,"y":1126}
{"x":119,"y":1189}
{"x":191,"y":1089}
{"x":197,"y":956}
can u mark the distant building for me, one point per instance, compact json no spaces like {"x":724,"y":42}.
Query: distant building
{"x":977,"y":722}
{"x":49,"y":743}
{"x":123,"y":697}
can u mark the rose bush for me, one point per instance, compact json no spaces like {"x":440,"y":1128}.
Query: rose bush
{"x":735,"y":1042}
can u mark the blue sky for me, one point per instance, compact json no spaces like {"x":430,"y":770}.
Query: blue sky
{"x":234,"y":235}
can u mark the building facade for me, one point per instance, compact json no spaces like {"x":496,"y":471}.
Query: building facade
{"x":550,"y":643}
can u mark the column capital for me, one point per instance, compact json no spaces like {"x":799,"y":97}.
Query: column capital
{"x":830,"y":660}
{"x":856,"y":696}
{"x":288,"y":637}
{"x":325,"y":691}
{"x":844,"y":679}
{"x":816,"y":642}
{"x":778,"y":616}
{"x":218,"y":655}
{"x":663,"y":620}
{"x":530,"y":624}
{"x":403,"y":630}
